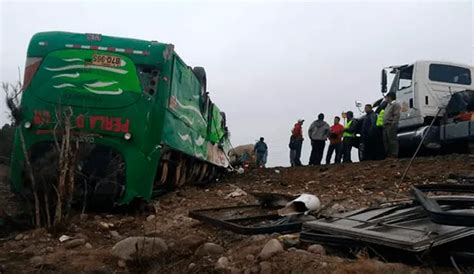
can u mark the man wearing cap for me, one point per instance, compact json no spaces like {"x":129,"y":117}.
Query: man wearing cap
{"x":296,"y":142}
{"x":390,"y":125}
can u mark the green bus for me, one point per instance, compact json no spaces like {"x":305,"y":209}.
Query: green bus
{"x":136,"y":106}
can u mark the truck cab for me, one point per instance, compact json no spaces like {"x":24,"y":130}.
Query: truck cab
{"x":425,"y":86}
{"x":424,"y":89}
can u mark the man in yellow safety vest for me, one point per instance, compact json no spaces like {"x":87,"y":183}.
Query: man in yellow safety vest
{"x":348,"y":137}
{"x":380,"y":149}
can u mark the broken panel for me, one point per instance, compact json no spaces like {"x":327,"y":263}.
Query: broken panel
{"x":401,"y":226}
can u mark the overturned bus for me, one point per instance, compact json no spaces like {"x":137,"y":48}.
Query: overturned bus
{"x":143,"y":115}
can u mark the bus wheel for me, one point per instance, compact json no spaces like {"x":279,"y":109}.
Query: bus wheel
{"x":202,"y":174}
{"x":193,"y":173}
{"x":164,"y":173}
{"x":180,"y":174}
{"x":183,"y":173}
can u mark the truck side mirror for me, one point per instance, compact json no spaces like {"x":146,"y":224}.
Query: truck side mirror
{"x":384,"y":81}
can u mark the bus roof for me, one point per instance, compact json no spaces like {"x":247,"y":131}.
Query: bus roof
{"x":140,"y":51}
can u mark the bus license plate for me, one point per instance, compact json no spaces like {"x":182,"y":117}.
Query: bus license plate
{"x":106,"y":60}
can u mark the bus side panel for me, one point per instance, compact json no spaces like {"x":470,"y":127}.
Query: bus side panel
{"x":185,"y":127}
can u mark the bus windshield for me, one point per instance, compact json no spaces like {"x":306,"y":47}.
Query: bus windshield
{"x":77,"y":75}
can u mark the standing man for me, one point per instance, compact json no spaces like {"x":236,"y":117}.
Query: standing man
{"x":390,"y":125}
{"x":348,"y":137}
{"x":369,"y":134}
{"x":261,"y":151}
{"x":296,"y":142}
{"x":318,"y":133}
{"x":335,"y":141}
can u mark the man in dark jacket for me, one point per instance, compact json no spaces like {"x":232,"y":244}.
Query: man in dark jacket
{"x":369,"y":134}
{"x":261,"y":151}
{"x":318,"y":133}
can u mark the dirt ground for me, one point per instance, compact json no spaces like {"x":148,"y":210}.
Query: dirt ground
{"x":350,"y":186}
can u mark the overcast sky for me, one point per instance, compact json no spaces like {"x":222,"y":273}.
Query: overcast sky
{"x":268,"y":63}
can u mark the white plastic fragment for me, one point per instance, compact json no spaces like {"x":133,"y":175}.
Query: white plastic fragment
{"x":303,"y":204}
{"x":64,"y":238}
{"x":236,"y":193}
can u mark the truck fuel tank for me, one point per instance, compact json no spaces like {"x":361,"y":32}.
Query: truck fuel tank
{"x":409,"y":140}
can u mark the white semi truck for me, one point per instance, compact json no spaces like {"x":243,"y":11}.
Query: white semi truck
{"x":432,"y":90}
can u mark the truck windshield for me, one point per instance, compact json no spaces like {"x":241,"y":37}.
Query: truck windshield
{"x":450,"y":74}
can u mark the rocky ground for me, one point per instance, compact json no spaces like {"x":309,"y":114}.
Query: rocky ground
{"x":166,"y":240}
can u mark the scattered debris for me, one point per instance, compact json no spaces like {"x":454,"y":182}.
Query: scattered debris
{"x":74,"y":243}
{"x":456,"y":210}
{"x":209,"y":249}
{"x":222,"y":263}
{"x":338,"y":208}
{"x":236,"y":193}
{"x":64,"y":238}
{"x":265,"y":267}
{"x":271,"y":248}
{"x":150,"y":218}
{"x":121,"y":263}
{"x":247,"y":219}
{"x":115,"y":235}
{"x":272,"y":200}
{"x":317,"y":249}
{"x":105,"y":225}
{"x":183,"y":236}
{"x":139,"y":247}
{"x":289,"y":240}
{"x":192,"y":241}
{"x":37,"y":261}
{"x":402,"y":226}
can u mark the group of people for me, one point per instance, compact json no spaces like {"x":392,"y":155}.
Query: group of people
{"x":378,"y":135}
